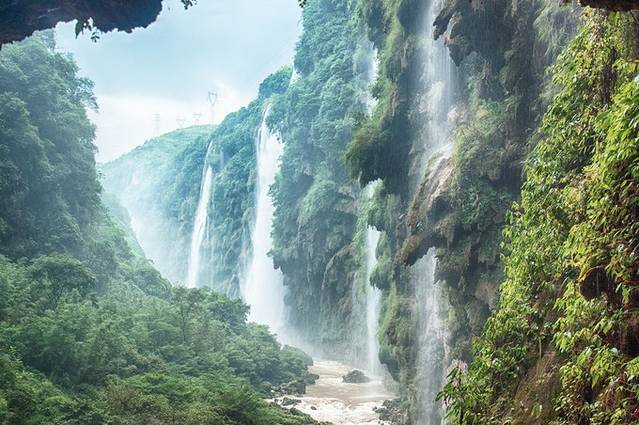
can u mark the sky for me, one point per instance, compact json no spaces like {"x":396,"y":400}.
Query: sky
{"x":159,"y":77}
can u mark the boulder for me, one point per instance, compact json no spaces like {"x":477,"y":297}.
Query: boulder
{"x":355,"y":377}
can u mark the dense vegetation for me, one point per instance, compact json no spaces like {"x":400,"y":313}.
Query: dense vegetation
{"x":89,"y":331}
{"x":233,"y":158}
{"x":532,"y":219}
{"x":159,"y":184}
{"x":315,"y":201}
{"x":562,"y":348}
{"x":147,"y":182}
{"x":460,"y":207}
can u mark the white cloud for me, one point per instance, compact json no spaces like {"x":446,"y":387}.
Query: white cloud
{"x":124,"y":122}
{"x":168,"y":68}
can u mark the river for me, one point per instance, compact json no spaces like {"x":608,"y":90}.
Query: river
{"x":332,"y":400}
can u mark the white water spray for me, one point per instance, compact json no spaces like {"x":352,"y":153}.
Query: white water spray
{"x":199,"y":229}
{"x":439,"y":82}
{"x":373,"y":296}
{"x":371,"y":76}
{"x":263,"y":289}
{"x":431,"y":339}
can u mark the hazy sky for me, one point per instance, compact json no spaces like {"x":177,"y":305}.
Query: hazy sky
{"x":226,"y":46}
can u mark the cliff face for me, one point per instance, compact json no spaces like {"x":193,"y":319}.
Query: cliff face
{"x":316,"y":203}
{"x":503,"y":53}
{"x":459,"y":206}
{"x":561,"y":348}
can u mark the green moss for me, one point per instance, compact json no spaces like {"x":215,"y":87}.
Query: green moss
{"x":540,"y":308}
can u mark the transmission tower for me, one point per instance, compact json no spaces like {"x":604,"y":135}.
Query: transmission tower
{"x":196,"y":117}
{"x":181,"y":122}
{"x":213,"y":100}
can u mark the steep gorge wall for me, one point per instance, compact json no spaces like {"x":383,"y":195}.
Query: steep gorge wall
{"x":315,"y":233}
{"x":159,"y":184}
{"x":459,"y":208}
{"x":562,"y":346}
{"x":139,"y":180}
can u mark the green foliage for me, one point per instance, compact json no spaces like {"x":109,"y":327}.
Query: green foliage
{"x":560,"y":235}
{"x":157,"y":184}
{"x":315,"y":202}
{"x":48,"y":183}
{"x":167,"y":172}
{"x":89,"y":331}
{"x":85,"y":342}
{"x":233,"y":159}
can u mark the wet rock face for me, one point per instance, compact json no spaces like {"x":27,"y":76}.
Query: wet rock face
{"x":427,"y":212}
{"x":286,"y":401}
{"x":355,"y":377}
{"x":20,"y":18}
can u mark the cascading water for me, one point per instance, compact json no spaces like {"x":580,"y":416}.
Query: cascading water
{"x":431,"y":340}
{"x":371,"y":75}
{"x":373,"y":295}
{"x":439,"y":83}
{"x":263,"y":289}
{"x":199,"y":229}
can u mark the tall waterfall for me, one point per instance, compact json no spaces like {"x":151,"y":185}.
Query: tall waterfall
{"x":373,"y":295}
{"x":199,"y":229}
{"x":439,"y":84}
{"x":431,"y":339}
{"x":373,"y":302}
{"x":371,"y":74}
{"x":263,"y":289}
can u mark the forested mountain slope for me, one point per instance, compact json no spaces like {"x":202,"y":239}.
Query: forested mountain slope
{"x":473,"y":165}
{"x":159,"y":184}
{"x":137,"y":180}
{"x":89,"y":331}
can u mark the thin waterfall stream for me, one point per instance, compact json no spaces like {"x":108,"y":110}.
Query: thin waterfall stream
{"x":373,"y":294}
{"x":439,"y":82}
{"x":263,"y":289}
{"x":199,"y":229}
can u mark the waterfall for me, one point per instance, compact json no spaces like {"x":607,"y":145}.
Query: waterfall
{"x":262,"y":288}
{"x":199,"y":229}
{"x":371,"y":74}
{"x":431,"y":340}
{"x":373,"y":302}
{"x":439,"y":81}
{"x":439,"y":84}
{"x":373,"y":294}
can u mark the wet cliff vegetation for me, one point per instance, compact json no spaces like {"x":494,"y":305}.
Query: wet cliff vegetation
{"x":532,"y":220}
{"x":89,"y":330}
{"x":555,"y":272}
{"x":562,"y":346}
{"x":315,"y":201}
